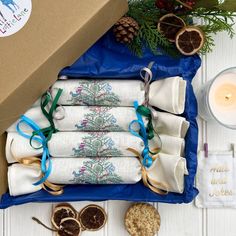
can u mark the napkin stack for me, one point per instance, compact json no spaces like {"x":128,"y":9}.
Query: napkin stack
{"x":93,"y":120}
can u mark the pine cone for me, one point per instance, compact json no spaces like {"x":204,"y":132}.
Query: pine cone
{"x":126,"y":29}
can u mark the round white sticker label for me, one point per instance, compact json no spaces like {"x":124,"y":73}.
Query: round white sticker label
{"x":14,"y":14}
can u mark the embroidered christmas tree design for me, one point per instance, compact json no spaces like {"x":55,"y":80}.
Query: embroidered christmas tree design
{"x":97,"y":144}
{"x":94,"y":92}
{"x":99,"y":119}
{"x":96,"y":171}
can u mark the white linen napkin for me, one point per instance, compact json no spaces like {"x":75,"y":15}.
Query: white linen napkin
{"x":172,"y":145}
{"x":35,"y":114}
{"x":169,"y":170}
{"x":19,"y":147}
{"x":89,"y":144}
{"x":99,"y":92}
{"x":95,"y":170}
{"x":94,"y":118}
{"x":86,"y":144}
{"x":75,"y":171}
{"x":83,"y":118}
{"x":166,"y":123}
{"x":168,"y":94}
{"x":21,"y":179}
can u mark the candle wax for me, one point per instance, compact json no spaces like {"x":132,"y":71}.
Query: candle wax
{"x":222,"y":98}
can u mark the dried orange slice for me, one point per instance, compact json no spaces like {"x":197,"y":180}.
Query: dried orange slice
{"x":92,"y":217}
{"x":169,"y":25}
{"x":69,"y":227}
{"x":190,"y":40}
{"x":62,"y":211}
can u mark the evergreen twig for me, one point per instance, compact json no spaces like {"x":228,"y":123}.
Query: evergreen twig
{"x":216,"y":19}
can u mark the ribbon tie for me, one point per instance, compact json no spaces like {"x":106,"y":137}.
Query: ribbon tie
{"x":146,"y":75}
{"x":152,"y":184}
{"x":147,"y":159}
{"x":46,"y":100}
{"x":39,"y":138}
{"x":54,"y":189}
{"x":146,"y":112}
{"x":42,"y":136}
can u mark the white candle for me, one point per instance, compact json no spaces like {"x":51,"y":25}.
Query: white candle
{"x":217,"y":99}
{"x":222,"y":99}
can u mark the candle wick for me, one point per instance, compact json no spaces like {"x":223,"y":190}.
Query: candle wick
{"x":228,"y":96}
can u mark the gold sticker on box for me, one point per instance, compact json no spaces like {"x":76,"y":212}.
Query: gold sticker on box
{"x":14,"y":14}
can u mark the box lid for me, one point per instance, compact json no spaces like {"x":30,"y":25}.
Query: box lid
{"x":55,"y":35}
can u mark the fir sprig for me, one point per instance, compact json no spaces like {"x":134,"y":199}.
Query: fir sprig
{"x":149,"y":36}
{"x":216,"y":18}
{"x":143,"y":11}
{"x":147,"y":15}
{"x":214,"y":21}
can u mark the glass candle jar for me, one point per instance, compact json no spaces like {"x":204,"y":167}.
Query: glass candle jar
{"x":217,"y":99}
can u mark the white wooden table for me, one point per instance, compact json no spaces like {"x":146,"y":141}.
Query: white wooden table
{"x":177,"y":220}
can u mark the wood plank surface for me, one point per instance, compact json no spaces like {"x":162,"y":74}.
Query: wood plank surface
{"x":220,"y":221}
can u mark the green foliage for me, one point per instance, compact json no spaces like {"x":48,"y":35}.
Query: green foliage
{"x":147,"y":15}
{"x":216,"y":18}
{"x":149,"y":36}
{"x":144,"y":11}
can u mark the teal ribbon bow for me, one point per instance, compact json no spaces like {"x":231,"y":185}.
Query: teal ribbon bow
{"x":147,"y":159}
{"x":42,"y":136}
{"x":39,"y":137}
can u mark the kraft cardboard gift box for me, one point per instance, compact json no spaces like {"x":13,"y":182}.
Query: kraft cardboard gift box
{"x":54,"y":34}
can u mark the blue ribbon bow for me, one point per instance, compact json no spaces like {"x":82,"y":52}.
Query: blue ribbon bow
{"x":39,"y":137}
{"x":147,"y":159}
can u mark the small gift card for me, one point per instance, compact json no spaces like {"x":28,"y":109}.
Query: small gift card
{"x":216,"y":180}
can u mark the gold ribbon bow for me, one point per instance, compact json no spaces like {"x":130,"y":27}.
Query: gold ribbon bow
{"x":147,"y":181}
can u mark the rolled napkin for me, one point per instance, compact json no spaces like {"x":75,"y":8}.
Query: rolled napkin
{"x":99,"y":92}
{"x":82,"y":118}
{"x":170,"y":171}
{"x":35,"y":114}
{"x":89,"y":144}
{"x":18,"y":147}
{"x":77,"y":144}
{"x":21,"y":179}
{"x":166,"y":123}
{"x":93,"y":118}
{"x":172,"y":145}
{"x":168,"y":94}
{"x":75,"y":171}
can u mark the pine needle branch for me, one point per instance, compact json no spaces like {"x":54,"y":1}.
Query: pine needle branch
{"x":215,"y":21}
{"x":147,"y":15}
{"x":216,"y":18}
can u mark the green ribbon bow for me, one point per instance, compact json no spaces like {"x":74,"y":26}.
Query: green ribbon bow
{"x":146,"y":112}
{"x":45,"y":100}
